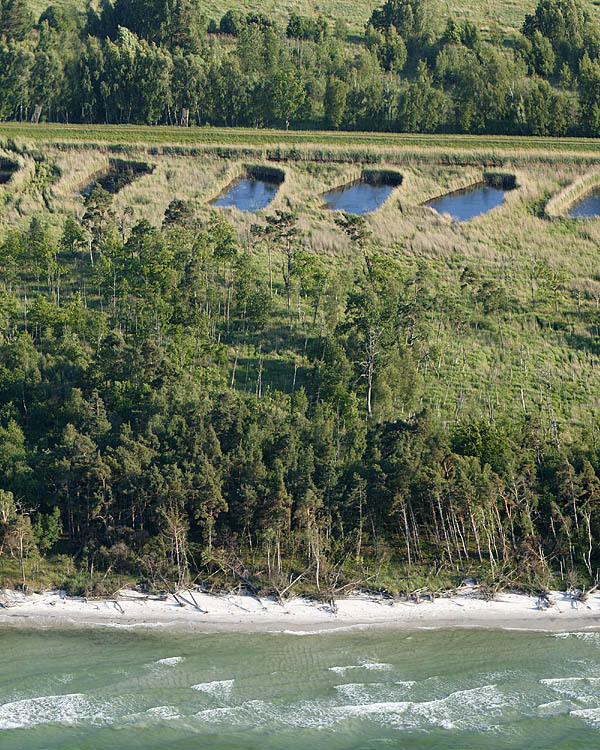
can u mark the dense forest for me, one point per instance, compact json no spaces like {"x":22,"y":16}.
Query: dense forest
{"x":153,"y":61}
{"x":133,"y":442}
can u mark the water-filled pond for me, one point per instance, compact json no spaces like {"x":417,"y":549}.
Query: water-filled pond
{"x":249,"y":194}
{"x":463,"y":205}
{"x":365,"y":194}
{"x":118,"y":176}
{"x":7,"y":169}
{"x":587,"y":208}
{"x":358,"y":197}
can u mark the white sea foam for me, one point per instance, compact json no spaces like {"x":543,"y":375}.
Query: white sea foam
{"x":164,"y":712}
{"x":354,"y":691}
{"x":583,"y":689}
{"x":249,"y":714}
{"x":558,"y":682}
{"x":218,"y":688}
{"x":151,"y":715}
{"x":372,"y":666}
{"x":361,"y":693}
{"x":385,"y":707}
{"x":590,"y":715}
{"x":527,"y":629}
{"x":215,"y":714}
{"x":170,"y":661}
{"x":463,"y":707}
{"x":158,"y":667}
{"x":341,"y":670}
{"x":321,"y":631}
{"x":470,"y":709}
{"x":476,"y":709}
{"x":51,"y":709}
{"x":589,"y":636}
{"x":65,"y":678}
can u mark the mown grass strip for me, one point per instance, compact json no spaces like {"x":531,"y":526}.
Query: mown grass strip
{"x":164,"y":135}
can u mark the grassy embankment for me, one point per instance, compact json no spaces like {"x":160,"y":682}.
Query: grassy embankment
{"x":558,"y":206}
{"x":398,"y":580}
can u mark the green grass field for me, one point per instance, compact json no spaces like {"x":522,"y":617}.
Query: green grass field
{"x":508,"y":15}
{"x":356,"y":14}
{"x":143,"y":135}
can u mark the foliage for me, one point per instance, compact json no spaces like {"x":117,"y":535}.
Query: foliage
{"x":132,"y":441}
{"x":135,"y":61}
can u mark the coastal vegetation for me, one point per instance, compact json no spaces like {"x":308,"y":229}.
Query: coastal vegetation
{"x":293,"y":398}
{"x":296,"y":400}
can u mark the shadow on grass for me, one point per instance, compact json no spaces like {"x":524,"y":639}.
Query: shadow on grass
{"x":277,"y":375}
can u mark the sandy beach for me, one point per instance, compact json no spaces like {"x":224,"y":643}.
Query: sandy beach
{"x":220,"y":613}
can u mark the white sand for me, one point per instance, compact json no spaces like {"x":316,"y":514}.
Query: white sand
{"x":302,"y":616}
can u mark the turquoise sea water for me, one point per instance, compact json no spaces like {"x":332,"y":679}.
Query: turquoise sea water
{"x":106,"y":688}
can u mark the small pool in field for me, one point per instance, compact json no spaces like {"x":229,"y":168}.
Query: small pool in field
{"x":466,"y":204}
{"x":252,"y":192}
{"x":248,"y":194}
{"x":358,"y":198}
{"x":7,"y":169}
{"x":587,"y":208}
{"x":365,"y":194}
{"x":118,"y":176}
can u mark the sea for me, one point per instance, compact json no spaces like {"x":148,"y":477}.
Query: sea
{"x":361,"y":688}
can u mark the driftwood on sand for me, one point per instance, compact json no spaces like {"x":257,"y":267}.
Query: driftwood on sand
{"x":180,"y":599}
{"x":581,"y":596}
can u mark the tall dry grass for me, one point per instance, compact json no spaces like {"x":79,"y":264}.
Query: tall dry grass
{"x":560,"y":203}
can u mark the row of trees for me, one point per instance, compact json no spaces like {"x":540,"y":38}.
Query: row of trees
{"x":132,"y":438}
{"x":144,"y":62}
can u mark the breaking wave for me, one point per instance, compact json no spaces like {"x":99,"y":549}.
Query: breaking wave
{"x":218,"y":688}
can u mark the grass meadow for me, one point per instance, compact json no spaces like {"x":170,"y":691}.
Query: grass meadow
{"x":507,"y":14}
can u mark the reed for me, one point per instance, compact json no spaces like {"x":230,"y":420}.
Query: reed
{"x":382,"y":177}
{"x":559,"y":205}
{"x":504,"y":180}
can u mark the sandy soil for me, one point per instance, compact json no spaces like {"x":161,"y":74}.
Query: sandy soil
{"x":209,"y":613}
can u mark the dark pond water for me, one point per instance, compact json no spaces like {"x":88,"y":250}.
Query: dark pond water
{"x":118,"y":177}
{"x":358,"y":197}
{"x":249,"y":194}
{"x":586,"y":208}
{"x":7,"y":169}
{"x":463,"y":205}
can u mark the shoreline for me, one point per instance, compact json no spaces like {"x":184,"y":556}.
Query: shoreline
{"x":208,"y":613}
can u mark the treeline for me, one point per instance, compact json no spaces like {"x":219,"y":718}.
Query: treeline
{"x":141,"y":61}
{"x":133,"y":441}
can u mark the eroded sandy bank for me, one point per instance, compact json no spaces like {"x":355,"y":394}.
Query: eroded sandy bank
{"x":209,"y":613}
